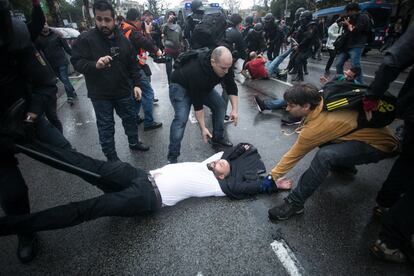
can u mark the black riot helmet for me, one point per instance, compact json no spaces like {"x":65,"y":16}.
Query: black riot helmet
{"x":305,"y":17}
{"x":258,"y":27}
{"x":6,"y":27}
{"x":269,"y":18}
{"x":298,"y":12}
{"x":249,"y":20}
{"x":196,"y":6}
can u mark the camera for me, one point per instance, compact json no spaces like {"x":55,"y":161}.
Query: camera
{"x":114,"y":51}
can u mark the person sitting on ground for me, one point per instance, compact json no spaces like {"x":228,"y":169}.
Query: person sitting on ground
{"x":130,"y":191}
{"x":349,"y":75}
{"x":259,"y":68}
{"x":342,"y":146}
{"x":273,"y":104}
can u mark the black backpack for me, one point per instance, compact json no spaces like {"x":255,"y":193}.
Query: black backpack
{"x":209,"y":31}
{"x":339,"y":95}
{"x":185,"y":57}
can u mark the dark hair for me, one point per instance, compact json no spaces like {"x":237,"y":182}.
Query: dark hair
{"x":352,"y":7}
{"x":147,"y":13}
{"x":236,"y":19}
{"x":133,"y":14}
{"x":356,"y":70}
{"x":302,"y":94}
{"x":103,"y":6}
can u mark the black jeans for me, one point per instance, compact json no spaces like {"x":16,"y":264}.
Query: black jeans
{"x":345,"y":154}
{"x":397,"y":192}
{"x":332,"y":55}
{"x":50,"y":109}
{"x":128,"y":192}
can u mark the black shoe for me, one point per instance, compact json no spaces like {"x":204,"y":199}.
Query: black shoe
{"x":306,"y":72}
{"x":140,"y":120}
{"x":286,"y":210}
{"x":139,"y":146}
{"x":155,"y":100}
{"x":221,"y":142}
{"x":289,"y":120}
{"x":293,"y":72}
{"x":153,"y":125}
{"x":70,"y":101}
{"x":259,"y":104}
{"x":27,"y":248}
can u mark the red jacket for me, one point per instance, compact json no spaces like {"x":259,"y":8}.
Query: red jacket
{"x":256,"y":68}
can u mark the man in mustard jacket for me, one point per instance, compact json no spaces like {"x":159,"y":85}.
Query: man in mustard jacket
{"x":342,"y":146}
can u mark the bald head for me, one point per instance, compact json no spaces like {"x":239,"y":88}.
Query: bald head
{"x":221,"y":60}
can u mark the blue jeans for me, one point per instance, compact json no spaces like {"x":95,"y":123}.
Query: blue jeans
{"x":181,"y":103}
{"x":275,"y":104}
{"x":62,"y":74}
{"x":343,"y":155}
{"x":146,"y":100}
{"x":272,"y":67}
{"x":355,"y":55}
{"x":104,"y":112}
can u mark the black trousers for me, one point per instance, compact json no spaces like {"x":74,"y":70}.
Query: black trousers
{"x":332,"y":55}
{"x":301,"y":61}
{"x":128,"y":192}
{"x":14,"y":198}
{"x":397,"y":192}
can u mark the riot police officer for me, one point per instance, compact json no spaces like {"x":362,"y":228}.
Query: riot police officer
{"x":27,"y":84}
{"x":307,"y":37}
{"x":193,"y":19}
{"x":273,"y":36}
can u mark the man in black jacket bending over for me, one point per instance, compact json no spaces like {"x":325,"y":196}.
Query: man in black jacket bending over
{"x":131,"y":191}
{"x":107,"y":60}
{"x":193,"y":84}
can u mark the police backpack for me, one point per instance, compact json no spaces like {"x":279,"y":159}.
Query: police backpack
{"x":209,"y":31}
{"x":339,"y":95}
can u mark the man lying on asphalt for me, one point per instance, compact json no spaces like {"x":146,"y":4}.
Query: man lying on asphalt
{"x":131,"y":191}
{"x":342,"y":146}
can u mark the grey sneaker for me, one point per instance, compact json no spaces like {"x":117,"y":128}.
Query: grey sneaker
{"x":380,"y":250}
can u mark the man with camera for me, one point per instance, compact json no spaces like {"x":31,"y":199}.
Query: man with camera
{"x":356,"y":31}
{"x":107,"y":60}
{"x":141,"y":42}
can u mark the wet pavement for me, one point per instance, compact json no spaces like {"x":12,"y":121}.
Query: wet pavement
{"x":205,"y":236}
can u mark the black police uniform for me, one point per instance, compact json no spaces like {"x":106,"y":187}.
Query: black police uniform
{"x":397,"y":192}
{"x":28,"y":84}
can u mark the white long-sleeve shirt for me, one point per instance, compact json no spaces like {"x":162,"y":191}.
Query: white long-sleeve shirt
{"x":179,"y":181}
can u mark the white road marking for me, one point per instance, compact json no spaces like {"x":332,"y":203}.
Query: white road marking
{"x":282,"y":82}
{"x":287,"y":258}
{"x":199,"y":274}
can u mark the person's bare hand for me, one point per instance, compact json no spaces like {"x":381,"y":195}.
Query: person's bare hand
{"x":158,"y":53}
{"x":234,"y":117}
{"x":148,"y":27}
{"x":205,"y":133}
{"x":323,"y":79}
{"x":137,"y":93}
{"x":103,"y":62}
{"x":284,"y":183}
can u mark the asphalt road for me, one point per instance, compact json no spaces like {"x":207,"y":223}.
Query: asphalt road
{"x":205,"y":236}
